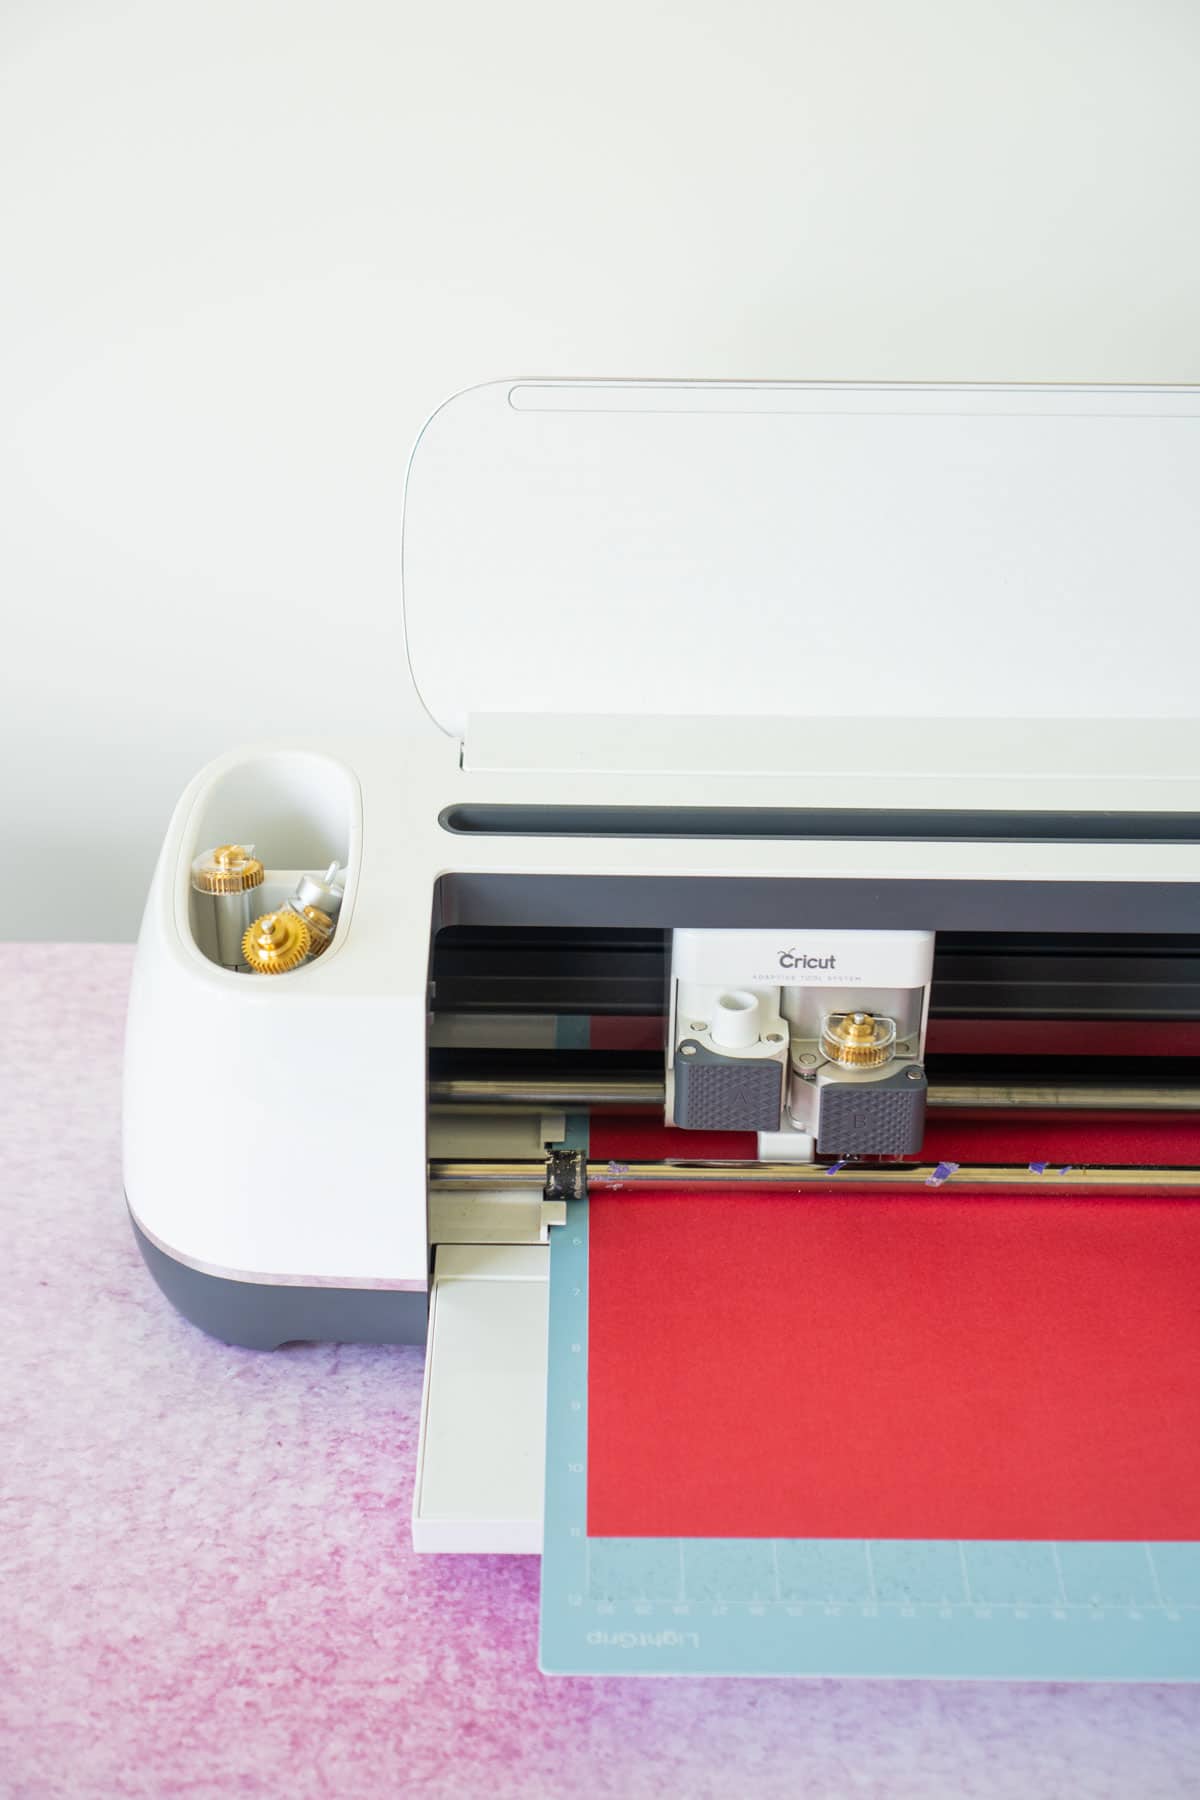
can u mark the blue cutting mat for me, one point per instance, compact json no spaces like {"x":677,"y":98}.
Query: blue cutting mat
{"x":757,"y":1606}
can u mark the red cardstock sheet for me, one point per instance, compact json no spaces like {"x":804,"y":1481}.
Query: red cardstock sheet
{"x":893,"y":1365}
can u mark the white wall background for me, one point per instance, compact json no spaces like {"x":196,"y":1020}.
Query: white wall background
{"x":246,"y":247}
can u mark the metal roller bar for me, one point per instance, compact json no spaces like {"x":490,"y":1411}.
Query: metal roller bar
{"x":581,"y":1093}
{"x":447,"y":1177}
{"x":558,"y":1093}
{"x":1065,"y":1096}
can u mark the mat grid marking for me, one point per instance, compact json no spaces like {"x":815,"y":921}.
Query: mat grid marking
{"x":622,"y":1578}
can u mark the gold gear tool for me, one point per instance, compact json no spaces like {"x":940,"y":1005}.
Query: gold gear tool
{"x":858,"y":1040}
{"x":229,"y":869}
{"x":320,"y":926}
{"x":277,"y":942}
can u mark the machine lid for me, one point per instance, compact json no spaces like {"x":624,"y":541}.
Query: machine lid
{"x":824,"y":551}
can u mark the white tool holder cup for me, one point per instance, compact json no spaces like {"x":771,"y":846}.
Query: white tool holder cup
{"x":735,"y":1020}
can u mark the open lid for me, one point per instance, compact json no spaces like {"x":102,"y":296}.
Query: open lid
{"x":805,"y":549}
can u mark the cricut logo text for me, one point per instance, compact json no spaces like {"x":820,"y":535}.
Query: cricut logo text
{"x":789,"y":959}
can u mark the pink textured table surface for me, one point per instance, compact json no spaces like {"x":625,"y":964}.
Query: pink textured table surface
{"x":208,"y":1589}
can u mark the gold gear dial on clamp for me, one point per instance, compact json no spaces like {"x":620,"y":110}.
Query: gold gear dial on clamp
{"x":277,"y":942}
{"x":858,"y":1040}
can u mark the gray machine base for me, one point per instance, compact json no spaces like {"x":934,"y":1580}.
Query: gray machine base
{"x":264,"y":1315}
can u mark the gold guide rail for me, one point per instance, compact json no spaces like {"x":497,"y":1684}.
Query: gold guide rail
{"x":566,"y":1174}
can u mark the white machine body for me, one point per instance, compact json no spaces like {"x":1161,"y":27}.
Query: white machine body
{"x":650,"y":625}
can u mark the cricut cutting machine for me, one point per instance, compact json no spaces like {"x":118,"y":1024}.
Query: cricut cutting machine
{"x":802,"y":761}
